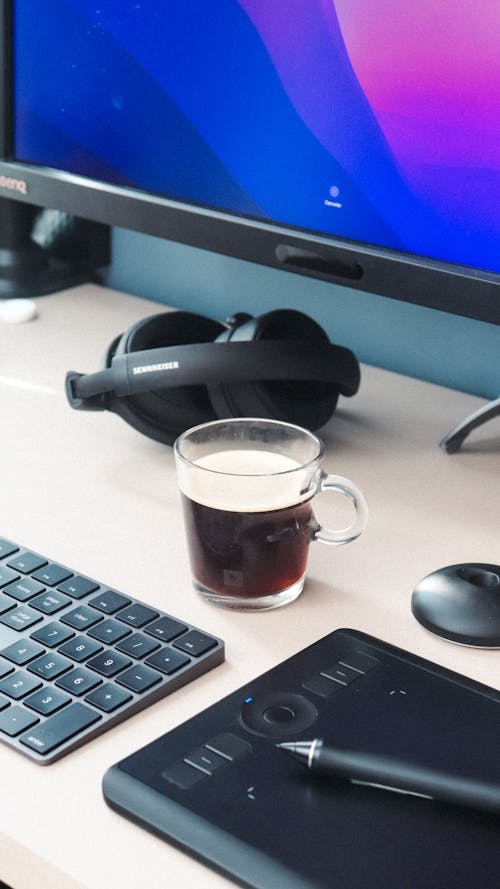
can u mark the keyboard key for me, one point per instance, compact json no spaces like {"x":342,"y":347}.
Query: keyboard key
{"x":23,"y":589}
{"x":20,"y":618}
{"x":19,"y":684}
{"x":27,"y":562}
{"x":52,"y":634}
{"x":82,"y":618}
{"x":50,"y":602}
{"x":108,"y":697}
{"x":22,"y":652}
{"x":47,"y":700}
{"x":139,"y":678}
{"x":78,"y":586}
{"x":137,"y":615}
{"x":108,"y":663}
{"x":78,"y":681}
{"x":7,"y":575}
{"x":138,"y":645}
{"x":78,"y":663}
{"x":166,"y":628}
{"x":167,"y":660}
{"x":52,"y":574}
{"x":7,"y":548}
{"x":5,"y":669}
{"x":195,"y":643}
{"x":109,"y":631}
{"x":60,"y":728}
{"x":80,"y":648}
{"x":16,"y":719}
{"x":6,"y":603}
{"x":109,"y":601}
{"x":50,"y":665}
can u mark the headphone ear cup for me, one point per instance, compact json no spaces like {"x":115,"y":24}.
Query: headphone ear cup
{"x":165,"y":413}
{"x":301,"y":402}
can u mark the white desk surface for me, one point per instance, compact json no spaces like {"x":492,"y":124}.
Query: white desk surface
{"x":90,"y":492}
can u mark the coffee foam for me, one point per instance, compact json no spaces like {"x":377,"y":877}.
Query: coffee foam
{"x":245,"y":480}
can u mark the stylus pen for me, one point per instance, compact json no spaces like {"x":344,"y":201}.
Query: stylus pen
{"x":388,"y":773}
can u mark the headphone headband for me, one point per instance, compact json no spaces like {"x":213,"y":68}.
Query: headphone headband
{"x":174,"y":370}
{"x":186,"y":365}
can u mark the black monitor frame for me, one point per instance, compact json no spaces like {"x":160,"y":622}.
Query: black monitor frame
{"x":410,"y":278}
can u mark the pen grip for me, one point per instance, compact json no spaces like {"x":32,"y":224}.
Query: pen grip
{"x":398,"y":775}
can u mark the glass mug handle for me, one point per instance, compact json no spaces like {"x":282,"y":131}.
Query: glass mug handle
{"x":351,"y":491}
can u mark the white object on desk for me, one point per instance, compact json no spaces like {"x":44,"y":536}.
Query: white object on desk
{"x":17,"y":311}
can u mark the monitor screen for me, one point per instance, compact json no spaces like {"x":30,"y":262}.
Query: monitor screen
{"x":372,"y":128}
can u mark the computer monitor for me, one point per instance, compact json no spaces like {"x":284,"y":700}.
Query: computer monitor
{"x":355,"y":143}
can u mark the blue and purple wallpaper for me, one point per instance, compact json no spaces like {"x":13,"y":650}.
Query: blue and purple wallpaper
{"x":374,"y":120}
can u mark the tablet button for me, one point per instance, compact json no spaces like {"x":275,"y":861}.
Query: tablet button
{"x":278,"y":714}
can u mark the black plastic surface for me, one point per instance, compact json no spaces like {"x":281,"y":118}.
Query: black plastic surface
{"x":461,"y":603}
{"x":267,"y":823}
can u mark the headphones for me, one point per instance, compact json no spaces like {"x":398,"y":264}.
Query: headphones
{"x":176,"y":370}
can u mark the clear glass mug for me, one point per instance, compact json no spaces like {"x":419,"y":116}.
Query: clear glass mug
{"x":247,"y":487}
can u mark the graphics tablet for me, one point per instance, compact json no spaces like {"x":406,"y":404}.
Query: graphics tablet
{"x":220,"y":788}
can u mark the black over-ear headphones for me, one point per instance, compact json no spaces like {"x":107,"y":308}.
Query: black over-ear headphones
{"x":175,"y":370}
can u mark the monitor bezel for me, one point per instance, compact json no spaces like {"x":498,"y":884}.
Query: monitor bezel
{"x":406,"y":277}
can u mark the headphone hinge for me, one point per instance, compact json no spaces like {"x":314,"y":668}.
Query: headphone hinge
{"x":92,"y":403}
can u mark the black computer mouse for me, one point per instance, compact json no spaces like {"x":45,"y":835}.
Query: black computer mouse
{"x":461,"y":603}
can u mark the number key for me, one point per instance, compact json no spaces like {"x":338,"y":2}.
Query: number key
{"x":47,"y":700}
{"x":80,"y":648}
{"x":78,"y":681}
{"x":22,"y":652}
{"x":50,"y":665}
{"x":52,"y":634}
{"x":19,"y":684}
{"x":109,"y":663}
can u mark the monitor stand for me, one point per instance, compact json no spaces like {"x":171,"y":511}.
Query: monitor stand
{"x":453,"y":441}
{"x":42,"y":251}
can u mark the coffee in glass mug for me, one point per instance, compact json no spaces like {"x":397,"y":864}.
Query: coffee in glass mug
{"x":247,"y":487}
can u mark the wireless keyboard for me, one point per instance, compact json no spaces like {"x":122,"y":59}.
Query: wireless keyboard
{"x":77,"y":657}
